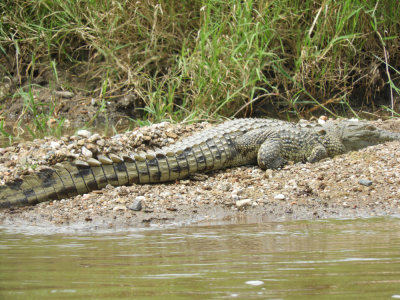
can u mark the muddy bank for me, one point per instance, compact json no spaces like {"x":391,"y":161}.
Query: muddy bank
{"x":357,"y":184}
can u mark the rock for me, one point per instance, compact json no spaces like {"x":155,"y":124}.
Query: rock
{"x":23,"y":160}
{"x":86,"y":152}
{"x":244,"y":202}
{"x":162,"y":194}
{"x":122,"y":190}
{"x":84,"y":133}
{"x":54,"y":145}
{"x":95,"y":137}
{"x":237,"y":191}
{"x":136,"y":205}
{"x":279,"y":197}
{"x":65,"y":94}
{"x":10,"y":163}
{"x":101,"y":142}
{"x":226,"y":187}
{"x":235,"y":196}
{"x":120,"y":200}
{"x":172,"y":135}
{"x":119,"y":207}
{"x":178,"y":196}
{"x":91,"y":147}
{"x":365,"y":182}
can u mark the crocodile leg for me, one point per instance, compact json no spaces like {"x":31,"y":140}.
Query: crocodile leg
{"x":264,"y":146}
{"x":317,"y":153}
{"x":269,"y":155}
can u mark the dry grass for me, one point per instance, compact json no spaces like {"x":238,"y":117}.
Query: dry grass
{"x":192,"y":60}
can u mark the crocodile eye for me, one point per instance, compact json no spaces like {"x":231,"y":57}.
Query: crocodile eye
{"x":321,"y":132}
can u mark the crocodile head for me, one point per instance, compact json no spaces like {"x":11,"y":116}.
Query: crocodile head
{"x":356,"y":134}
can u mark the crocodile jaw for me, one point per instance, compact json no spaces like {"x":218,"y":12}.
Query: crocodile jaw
{"x":357,"y":135}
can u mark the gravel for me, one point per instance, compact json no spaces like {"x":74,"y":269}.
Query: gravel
{"x":357,"y":184}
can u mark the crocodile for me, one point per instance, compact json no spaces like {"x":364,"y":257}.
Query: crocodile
{"x":267,"y":142}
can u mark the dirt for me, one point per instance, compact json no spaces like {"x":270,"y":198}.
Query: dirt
{"x":328,"y":189}
{"x":74,"y":98}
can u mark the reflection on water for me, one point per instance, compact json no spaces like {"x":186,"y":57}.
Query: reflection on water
{"x":351,"y":259}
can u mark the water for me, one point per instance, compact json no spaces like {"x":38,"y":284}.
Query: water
{"x":339,"y":259}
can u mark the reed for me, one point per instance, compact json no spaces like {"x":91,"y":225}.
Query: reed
{"x":195,"y":60}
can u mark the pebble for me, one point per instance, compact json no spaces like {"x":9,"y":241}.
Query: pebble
{"x":365,"y":182}
{"x":84,"y":133}
{"x":101,"y":143}
{"x":86,"y":152}
{"x":95,"y":137}
{"x":136,"y":205}
{"x":235,"y":194}
{"x":55,"y":145}
{"x":122,"y":190}
{"x":23,"y":160}
{"x":120,"y":200}
{"x":119,"y":207}
{"x":235,"y":197}
{"x":140,"y":198}
{"x":165,"y":194}
{"x":226,"y":187}
{"x":91,"y":147}
{"x":244,"y":202}
{"x":171,"y":135}
{"x":65,"y":94}
{"x":279,"y":197}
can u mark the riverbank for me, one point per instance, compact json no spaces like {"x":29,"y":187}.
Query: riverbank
{"x":327,"y":189}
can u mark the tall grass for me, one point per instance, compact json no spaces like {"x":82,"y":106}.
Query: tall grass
{"x":190,"y":60}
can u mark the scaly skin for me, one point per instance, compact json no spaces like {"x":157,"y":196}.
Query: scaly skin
{"x":268,"y":143}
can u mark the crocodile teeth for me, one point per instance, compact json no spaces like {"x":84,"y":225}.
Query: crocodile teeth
{"x":115,"y":158}
{"x":104,"y":160}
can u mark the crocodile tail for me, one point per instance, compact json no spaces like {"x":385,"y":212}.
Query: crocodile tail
{"x":69,"y":179}
{"x":62,"y":181}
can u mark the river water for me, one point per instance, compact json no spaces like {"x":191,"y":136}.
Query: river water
{"x":334,"y":259}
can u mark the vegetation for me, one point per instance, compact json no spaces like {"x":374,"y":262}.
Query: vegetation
{"x":190,"y":60}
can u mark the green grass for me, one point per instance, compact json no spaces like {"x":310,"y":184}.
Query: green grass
{"x":43,"y":123}
{"x":196,"y":60}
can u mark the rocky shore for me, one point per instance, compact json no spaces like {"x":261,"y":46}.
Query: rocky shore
{"x":357,"y":184}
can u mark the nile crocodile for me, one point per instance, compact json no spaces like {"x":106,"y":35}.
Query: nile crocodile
{"x":268,"y":143}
